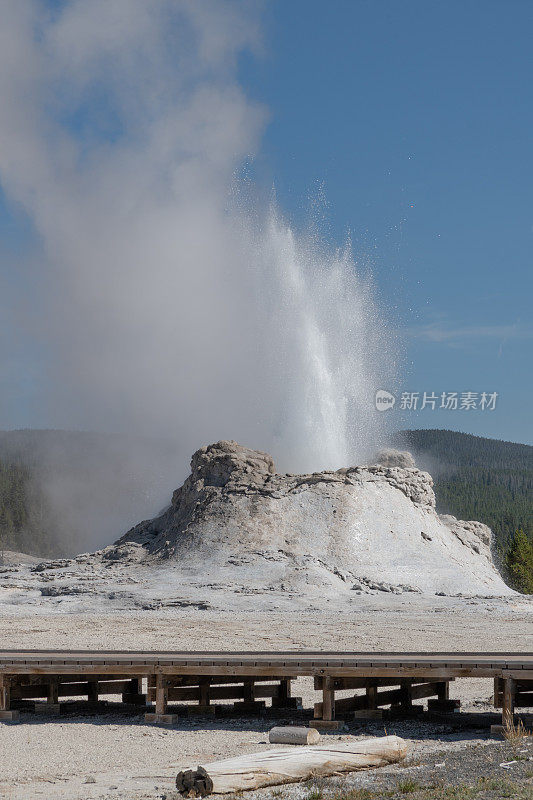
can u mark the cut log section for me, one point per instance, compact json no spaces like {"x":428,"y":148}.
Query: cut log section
{"x":273,"y":767}
{"x":293,"y":734}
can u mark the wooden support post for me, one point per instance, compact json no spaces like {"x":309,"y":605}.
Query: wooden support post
{"x":205,"y":693}
{"x":161,"y":703}
{"x":249,"y":703}
{"x":133,"y":695}
{"x":283,"y":698}
{"x":509,"y":689}
{"x":406,"y":701}
{"x":161,"y":695}
{"x":204,"y":705}
{"x":325,"y":711}
{"x":284,"y":690}
{"x":51,"y":704}
{"x":328,"y":699}
{"x":498,"y":692}
{"x":249,"y":691}
{"x":403,"y":703}
{"x":371,"y":697}
{"x":92,"y":691}
{"x":443,"y":691}
{"x":5,"y":692}
{"x":53,"y":692}
{"x":6,"y":714}
{"x":442,"y":703}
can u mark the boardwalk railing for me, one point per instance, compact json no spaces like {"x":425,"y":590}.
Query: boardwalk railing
{"x":374,"y":680}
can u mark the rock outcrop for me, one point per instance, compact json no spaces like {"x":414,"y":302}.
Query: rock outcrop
{"x":363,"y":529}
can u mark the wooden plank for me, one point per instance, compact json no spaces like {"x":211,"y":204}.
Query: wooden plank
{"x":42,"y":680}
{"x":518,"y":674}
{"x":346,"y":705}
{"x":114,"y":687}
{"x":260,"y":654}
{"x":502,"y":660}
{"x":29,"y":692}
{"x":342,"y":684}
{"x":523,"y":700}
{"x":410,"y":665}
{"x":187,"y":693}
{"x":32,"y":691}
{"x":217,"y":680}
{"x":422,"y":690}
{"x":373,"y":699}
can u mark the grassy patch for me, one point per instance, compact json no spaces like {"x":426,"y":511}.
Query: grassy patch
{"x":358,"y":794}
{"x":408,"y":786}
{"x":515,"y":733}
{"x":489,"y":788}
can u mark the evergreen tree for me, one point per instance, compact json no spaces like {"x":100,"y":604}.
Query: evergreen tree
{"x":519,"y":562}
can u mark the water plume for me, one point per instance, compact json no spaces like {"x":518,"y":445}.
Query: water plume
{"x":166,"y":305}
{"x":327,"y":351}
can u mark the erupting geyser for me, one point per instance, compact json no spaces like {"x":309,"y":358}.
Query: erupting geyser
{"x":324,"y":350}
{"x":172,"y":305}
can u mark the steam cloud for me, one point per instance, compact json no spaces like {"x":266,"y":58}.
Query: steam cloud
{"x":170,"y":304}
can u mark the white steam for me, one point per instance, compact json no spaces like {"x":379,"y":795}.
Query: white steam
{"x":169,"y":306}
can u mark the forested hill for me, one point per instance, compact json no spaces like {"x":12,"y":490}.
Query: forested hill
{"x":465,"y":450}
{"x":63,"y":492}
{"x":477,"y":478}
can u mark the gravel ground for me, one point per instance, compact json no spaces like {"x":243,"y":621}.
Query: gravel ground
{"x":481,"y":770}
{"x":116,"y":756}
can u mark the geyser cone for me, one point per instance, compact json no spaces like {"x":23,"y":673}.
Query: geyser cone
{"x":366,"y":529}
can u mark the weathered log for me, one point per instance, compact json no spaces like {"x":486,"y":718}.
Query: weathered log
{"x":273,"y":767}
{"x":293,"y":734}
{"x":195,"y":782}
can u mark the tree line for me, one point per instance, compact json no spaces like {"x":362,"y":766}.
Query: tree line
{"x":474,"y":478}
{"x":25,"y":521}
{"x":486,"y":480}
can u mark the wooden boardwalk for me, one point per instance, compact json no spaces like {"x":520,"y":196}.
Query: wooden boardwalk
{"x":374,"y":680}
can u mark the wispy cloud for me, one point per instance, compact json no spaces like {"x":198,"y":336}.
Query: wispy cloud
{"x":446,"y":332}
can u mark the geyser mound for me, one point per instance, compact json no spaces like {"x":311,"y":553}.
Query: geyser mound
{"x":362,"y":529}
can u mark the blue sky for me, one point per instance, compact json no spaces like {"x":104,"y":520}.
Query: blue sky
{"x":416,"y":117}
{"x":414,"y":120}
